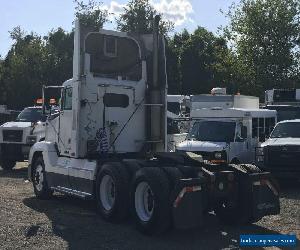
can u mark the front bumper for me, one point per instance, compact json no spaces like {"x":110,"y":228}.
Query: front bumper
{"x":14,"y":151}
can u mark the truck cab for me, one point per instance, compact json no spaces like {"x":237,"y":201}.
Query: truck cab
{"x":228,"y":135}
{"x":280,"y":154}
{"x":17,"y":137}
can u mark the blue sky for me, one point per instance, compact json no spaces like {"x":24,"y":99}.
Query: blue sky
{"x":42,"y":16}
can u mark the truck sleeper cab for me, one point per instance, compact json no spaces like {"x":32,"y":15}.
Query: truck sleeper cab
{"x":228,"y":135}
{"x":109,"y":143}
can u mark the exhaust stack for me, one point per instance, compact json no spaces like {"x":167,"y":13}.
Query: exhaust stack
{"x":156,"y":102}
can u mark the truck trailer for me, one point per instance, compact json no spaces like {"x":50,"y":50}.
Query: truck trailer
{"x":108,"y":143}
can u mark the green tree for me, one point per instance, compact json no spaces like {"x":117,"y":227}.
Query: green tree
{"x":59,"y":49}
{"x":91,"y":14}
{"x":174,"y":48}
{"x":265,"y":39}
{"x":138,"y":17}
{"x":34,"y":61}
{"x":203,"y":61}
{"x":23,"y":70}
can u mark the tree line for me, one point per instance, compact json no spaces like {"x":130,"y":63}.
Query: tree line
{"x":257,"y":50}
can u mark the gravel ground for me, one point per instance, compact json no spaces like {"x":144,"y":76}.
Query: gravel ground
{"x":69,"y":223}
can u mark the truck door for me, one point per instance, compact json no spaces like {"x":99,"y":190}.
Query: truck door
{"x":121,"y":118}
{"x":66,"y":122}
{"x":240,"y":148}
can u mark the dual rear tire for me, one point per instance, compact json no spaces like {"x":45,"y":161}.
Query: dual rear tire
{"x":146,"y":197}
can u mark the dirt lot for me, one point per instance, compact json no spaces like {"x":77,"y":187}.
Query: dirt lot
{"x":70,"y":223}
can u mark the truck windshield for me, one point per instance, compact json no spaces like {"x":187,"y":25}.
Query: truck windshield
{"x":215,"y":131}
{"x":31,"y":115}
{"x":285,"y":130}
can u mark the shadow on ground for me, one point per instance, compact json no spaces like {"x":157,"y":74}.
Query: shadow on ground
{"x":76,"y":222}
{"x":18,"y":173}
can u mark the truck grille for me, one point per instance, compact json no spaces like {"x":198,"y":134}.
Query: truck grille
{"x":12,"y":135}
{"x":286,"y":157}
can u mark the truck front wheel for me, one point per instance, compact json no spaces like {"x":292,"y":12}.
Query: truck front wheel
{"x":112,"y":191}
{"x":151,"y":201}
{"x":7,"y":164}
{"x":40,"y":185}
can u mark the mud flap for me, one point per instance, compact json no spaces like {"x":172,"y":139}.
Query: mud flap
{"x":265,"y":196}
{"x":260,"y":196}
{"x":189,"y":203}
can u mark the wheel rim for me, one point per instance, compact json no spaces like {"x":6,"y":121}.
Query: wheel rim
{"x":107,"y":192}
{"x":39,"y":177}
{"x":144,"y":201}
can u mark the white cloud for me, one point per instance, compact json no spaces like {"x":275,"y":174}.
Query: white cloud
{"x":177,"y":11}
{"x":114,"y":9}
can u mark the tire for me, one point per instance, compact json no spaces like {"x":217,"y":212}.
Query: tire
{"x":112,"y":192}
{"x":132,"y":167}
{"x":174,"y":175}
{"x":39,"y":181}
{"x":7,"y":164}
{"x":150,"y":201}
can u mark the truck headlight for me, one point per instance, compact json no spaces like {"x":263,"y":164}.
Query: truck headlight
{"x":218,"y":155}
{"x":31,"y":139}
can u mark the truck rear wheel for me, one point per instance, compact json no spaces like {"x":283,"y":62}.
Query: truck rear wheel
{"x":7,"y":164}
{"x":112,"y":191}
{"x":40,"y":185}
{"x":150,"y":201}
{"x":173,"y":174}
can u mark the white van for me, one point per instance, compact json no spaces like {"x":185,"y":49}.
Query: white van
{"x":228,"y":135}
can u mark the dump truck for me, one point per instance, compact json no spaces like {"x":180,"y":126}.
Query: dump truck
{"x":108,"y":143}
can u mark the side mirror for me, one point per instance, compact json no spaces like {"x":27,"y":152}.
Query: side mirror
{"x":243,"y":136}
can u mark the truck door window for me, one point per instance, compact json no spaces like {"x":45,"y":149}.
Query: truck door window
{"x":67,"y":99}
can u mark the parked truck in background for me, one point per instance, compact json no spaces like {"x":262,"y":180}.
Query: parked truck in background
{"x":285,"y":101}
{"x":109,"y":143}
{"x":7,"y":115}
{"x":231,"y":135}
{"x":16,"y":137}
{"x":280,"y":154}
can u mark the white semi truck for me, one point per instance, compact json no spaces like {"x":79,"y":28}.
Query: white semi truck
{"x":231,"y":135}
{"x":109,"y":144}
{"x":16,"y":137}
